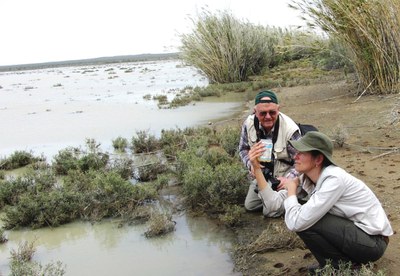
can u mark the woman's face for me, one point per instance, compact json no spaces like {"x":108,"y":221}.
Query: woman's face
{"x":304,"y":162}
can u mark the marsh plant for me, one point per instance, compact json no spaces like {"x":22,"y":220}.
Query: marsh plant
{"x":149,"y":172}
{"x":226,"y":49}
{"x":22,"y":264}
{"x":275,"y":237}
{"x":210,"y":177}
{"x":39,"y":199}
{"x":160,"y":223}
{"x":88,"y":184}
{"x":144,"y":142}
{"x":24,"y":253}
{"x":347,"y":269}
{"x":3,"y":237}
{"x":120,"y":143}
{"x":74,"y":158}
{"x":232,"y":216}
{"x":19,"y":159}
{"x":19,"y":268}
{"x":370,"y":30}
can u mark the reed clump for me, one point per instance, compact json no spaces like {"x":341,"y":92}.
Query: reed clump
{"x":370,"y":30}
{"x":226,"y":49}
{"x":22,"y":264}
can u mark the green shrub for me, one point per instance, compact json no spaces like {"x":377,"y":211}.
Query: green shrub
{"x":32,"y":182}
{"x":77,"y":159}
{"x":18,"y":159}
{"x":120,"y":143}
{"x":93,"y":161}
{"x":228,"y":186}
{"x":19,"y":268}
{"x":149,"y":172}
{"x":44,"y":209}
{"x":144,"y":142}
{"x":232,"y":215}
{"x":123,"y":166}
{"x":24,"y":252}
{"x":159,"y":224}
{"x":216,"y":155}
{"x":229,"y":139}
{"x":66,"y":159}
{"x":196,"y":179}
{"x":172,"y":141}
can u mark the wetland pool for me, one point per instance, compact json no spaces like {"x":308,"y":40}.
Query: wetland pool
{"x":46,"y":110}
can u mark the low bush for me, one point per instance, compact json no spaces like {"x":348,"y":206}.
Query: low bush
{"x":159,"y":224}
{"x":77,"y":159}
{"x":232,"y":215}
{"x":120,"y":143}
{"x":19,"y":159}
{"x":144,"y":142}
{"x":229,"y":139}
{"x":24,"y":252}
{"x":21,"y":263}
{"x":229,"y":185}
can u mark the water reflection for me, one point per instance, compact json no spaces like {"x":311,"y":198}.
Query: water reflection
{"x":197,"y":247}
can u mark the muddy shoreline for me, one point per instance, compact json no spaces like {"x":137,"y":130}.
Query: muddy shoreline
{"x":370,"y":153}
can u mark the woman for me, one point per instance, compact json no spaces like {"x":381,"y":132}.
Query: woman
{"x":342,"y":221}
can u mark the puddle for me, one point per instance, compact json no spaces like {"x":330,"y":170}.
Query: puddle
{"x":197,"y":247}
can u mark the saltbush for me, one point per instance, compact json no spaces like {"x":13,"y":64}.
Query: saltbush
{"x":120,"y":143}
{"x":144,"y":142}
{"x":229,"y":185}
{"x":229,"y":139}
{"x":19,"y":159}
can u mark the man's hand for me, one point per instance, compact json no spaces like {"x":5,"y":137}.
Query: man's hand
{"x":254,"y":153}
{"x":283,"y":181}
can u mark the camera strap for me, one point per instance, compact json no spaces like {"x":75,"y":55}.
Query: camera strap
{"x":261,"y":135}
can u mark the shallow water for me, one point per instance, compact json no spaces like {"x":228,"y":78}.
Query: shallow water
{"x":197,"y":247}
{"x":47,"y":110}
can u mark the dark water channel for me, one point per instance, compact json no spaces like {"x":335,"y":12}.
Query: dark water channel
{"x":49,"y":109}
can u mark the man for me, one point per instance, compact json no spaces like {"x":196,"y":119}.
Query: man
{"x":268,"y":123}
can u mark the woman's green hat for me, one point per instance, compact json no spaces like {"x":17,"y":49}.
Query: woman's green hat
{"x":314,"y":140}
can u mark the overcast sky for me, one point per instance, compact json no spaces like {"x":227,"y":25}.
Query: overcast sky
{"x":53,"y":30}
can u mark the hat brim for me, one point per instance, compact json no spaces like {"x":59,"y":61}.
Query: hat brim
{"x":303,"y":147}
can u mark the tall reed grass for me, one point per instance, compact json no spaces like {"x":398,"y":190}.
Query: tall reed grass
{"x":227,"y":49}
{"x":370,"y":29}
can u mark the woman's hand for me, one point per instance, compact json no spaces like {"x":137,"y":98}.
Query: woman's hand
{"x":291,"y":186}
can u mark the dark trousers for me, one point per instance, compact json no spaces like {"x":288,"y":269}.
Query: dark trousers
{"x":338,"y":239}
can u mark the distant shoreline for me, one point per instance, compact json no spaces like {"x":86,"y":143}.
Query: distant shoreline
{"x":91,"y":61}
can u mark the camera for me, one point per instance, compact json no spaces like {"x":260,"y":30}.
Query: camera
{"x":273,"y":181}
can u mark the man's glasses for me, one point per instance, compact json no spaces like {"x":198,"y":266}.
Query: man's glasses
{"x":271,"y":113}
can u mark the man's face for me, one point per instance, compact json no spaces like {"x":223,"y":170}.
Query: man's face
{"x":267,"y":113}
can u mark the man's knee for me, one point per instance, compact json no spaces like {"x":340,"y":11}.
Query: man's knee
{"x":252,"y":202}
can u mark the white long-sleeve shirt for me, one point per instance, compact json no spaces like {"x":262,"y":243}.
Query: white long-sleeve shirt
{"x":273,"y":200}
{"x":339,"y":193}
